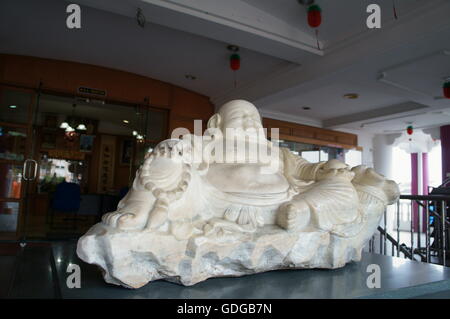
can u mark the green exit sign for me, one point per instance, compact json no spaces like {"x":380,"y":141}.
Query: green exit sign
{"x":86,"y":90}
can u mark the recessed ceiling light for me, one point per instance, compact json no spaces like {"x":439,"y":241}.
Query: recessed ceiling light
{"x":306,"y":2}
{"x":306,"y":108}
{"x":190,"y":77}
{"x":126,"y":121}
{"x":13,"y":106}
{"x":351,"y":96}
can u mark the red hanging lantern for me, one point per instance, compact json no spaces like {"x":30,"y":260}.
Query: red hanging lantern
{"x":447,"y":89}
{"x":314,"y":16}
{"x":235,"y":62}
{"x":410,"y":130}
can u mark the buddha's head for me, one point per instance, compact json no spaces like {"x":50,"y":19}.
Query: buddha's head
{"x":236,"y":114}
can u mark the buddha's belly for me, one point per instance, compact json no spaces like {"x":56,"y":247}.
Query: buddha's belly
{"x":246,"y":178}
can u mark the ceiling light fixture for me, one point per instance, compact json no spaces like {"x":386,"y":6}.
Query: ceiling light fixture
{"x":71,"y":123}
{"x":81,"y":127}
{"x":351,"y":96}
{"x":13,"y":106}
{"x":306,"y":2}
{"x":190,"y":77}
{"x":126,"y":121}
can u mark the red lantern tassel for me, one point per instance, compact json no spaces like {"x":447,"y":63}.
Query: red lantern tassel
{"x":317,"y":39}
{"x":395,"y":10}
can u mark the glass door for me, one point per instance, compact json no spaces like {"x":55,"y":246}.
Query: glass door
{"x":16,"y":167}
{"x":88,"y":151}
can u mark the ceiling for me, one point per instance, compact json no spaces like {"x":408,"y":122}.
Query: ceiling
{"x":397,"y":70}
{"x":340,"y":23}
{"x":116,"y":41}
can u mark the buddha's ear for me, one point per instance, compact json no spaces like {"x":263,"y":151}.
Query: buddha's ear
{"x":215,"y":121}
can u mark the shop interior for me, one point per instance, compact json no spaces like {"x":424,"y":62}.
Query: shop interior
{"x":85,"y":154}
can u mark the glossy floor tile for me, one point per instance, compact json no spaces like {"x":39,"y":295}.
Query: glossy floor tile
{"x":40,"y":271}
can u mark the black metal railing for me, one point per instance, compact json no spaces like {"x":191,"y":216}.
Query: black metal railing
{"x":427,"y":237}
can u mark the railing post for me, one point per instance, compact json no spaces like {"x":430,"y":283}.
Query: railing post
{"x":419,"y":224}
{"x":398,"y":228}
{"x":412,"y":229}
{"x":385,"y":231}
{"x":444,"y":237}
{"x":373,"y":244}
{"x":427,"y":232}
{"x":381,"y":243}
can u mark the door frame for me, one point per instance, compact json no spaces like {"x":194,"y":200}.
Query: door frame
{"x":20,"y":229}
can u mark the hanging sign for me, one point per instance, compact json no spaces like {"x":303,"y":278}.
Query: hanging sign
{"x":86,"y":90}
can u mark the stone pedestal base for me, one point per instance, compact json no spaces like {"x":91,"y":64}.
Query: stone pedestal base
{"x":132,"y":259}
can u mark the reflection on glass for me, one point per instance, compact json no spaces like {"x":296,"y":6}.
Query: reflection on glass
{"x":323,"y":156}
{"x":10,"y":185}
{"x":333,"y":153}
{"x":156,"y":126}
{"x":54,"y":171}
{"x":14,"y":106}
{"x":141,"y":150}
{"x":9,"y":212}
{"x":12,"y":143}
{"x":114,"y":119}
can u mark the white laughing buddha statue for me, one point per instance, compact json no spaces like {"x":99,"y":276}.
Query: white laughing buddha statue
{"x":231,"y":203}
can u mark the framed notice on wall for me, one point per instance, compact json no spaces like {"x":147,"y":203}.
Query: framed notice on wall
{"x":86,"y":142}
{"x":126,"y":151}
{"x":106,"y":163}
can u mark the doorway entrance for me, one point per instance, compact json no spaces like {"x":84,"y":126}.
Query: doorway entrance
{"x":69,"y":160}
{"x":17,"y":167}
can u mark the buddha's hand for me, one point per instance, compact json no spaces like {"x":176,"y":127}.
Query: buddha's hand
{"x":294,"y":215}
{"x":334,"y":168}
{"x":175,"y":149}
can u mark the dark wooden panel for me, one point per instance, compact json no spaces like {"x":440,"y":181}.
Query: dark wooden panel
{"x":325,"y":136}
{"x":347,"y":139}
{"x":303,"y":132}
{"x":311,"y":134}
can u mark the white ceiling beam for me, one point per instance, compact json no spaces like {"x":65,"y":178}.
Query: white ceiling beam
{"x":232,"y":21}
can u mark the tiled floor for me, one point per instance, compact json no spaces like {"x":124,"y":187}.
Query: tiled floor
{"x":27,"y":272}
{"x":39,"y":271}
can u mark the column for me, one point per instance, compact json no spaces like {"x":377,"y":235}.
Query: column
{"x":445,"y":144}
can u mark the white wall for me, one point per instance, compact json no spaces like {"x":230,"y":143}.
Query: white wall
{"x":382,"y":154}
{"x":365,"y":140}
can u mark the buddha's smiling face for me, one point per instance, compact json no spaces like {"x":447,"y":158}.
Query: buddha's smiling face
{"x":238,"y":115}
{"x":239,"y":134}
{"x":244,"y":116}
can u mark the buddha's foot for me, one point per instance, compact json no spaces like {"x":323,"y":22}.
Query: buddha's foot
{"x":126,"y":220}
{"x":294,"y":215}
{"x":158,"y":215}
